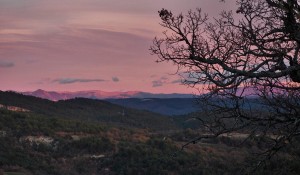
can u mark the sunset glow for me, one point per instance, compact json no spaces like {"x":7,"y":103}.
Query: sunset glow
{"x":72,"y":45}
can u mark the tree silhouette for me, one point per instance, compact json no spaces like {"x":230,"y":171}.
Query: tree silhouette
{"x":247,"y":61}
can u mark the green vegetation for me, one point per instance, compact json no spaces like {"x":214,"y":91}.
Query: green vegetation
{"x":36,"y":143}
{"x":14,"y":173}
{"x":89,"y":110}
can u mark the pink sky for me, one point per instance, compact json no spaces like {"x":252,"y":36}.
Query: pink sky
{"x":72,"y":45}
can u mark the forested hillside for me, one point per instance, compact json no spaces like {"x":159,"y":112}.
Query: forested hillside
{"x":59,"y":138}
{"x":89,"y":110}
{"x":165,"y":106}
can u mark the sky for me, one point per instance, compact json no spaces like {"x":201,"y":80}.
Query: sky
{"x":76,"y":45}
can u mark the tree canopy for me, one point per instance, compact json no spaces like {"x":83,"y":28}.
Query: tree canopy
{"x":251,"y":51}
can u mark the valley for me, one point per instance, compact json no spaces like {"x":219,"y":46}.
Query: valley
{"x":87,"y":136}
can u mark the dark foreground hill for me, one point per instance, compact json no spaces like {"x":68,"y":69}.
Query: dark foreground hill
{"x":89,"y":110}
{"x":165,"y":106}
{"x":31,"y":144}
{"x":35,"y":145}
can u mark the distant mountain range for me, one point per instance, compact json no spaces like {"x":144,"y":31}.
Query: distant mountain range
{"x":97,"y":94}
{"x":166,"y":104}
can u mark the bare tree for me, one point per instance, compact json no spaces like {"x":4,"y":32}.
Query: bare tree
{"x":231,"y":59}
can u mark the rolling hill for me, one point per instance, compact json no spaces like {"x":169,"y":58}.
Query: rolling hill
{"x":165,"y":106}
{"x":88,"y":110}
{"x":88,"y":136}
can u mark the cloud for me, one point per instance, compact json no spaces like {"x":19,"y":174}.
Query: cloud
{"x":160,"y":82}
{"x":115,"y":79}
{"x":179,"y":81}
{"x":6,"y":64}
{"x":165,"y":80}
{"x":191,"y":77}
{"x":157,"y":83}
{"x":76,"y":80}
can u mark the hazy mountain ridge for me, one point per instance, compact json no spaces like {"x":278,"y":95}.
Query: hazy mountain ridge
{"x":166,"y":104}
{"x":98,"y":94}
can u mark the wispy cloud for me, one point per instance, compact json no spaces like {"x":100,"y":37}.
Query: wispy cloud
{"x":191,"y":77}
{"x":5,"y":64}
{"x":76,"y":80}
{"x":160,"y":82}
{"x":157,"y":83}
{"x":115,"y":79}
{"x":179,"y":81}
{"x":165,"y":80}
